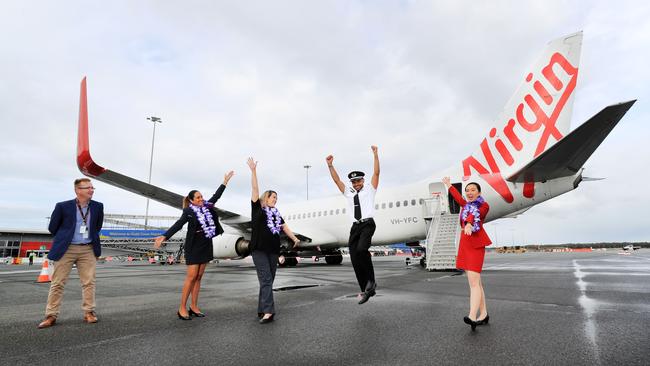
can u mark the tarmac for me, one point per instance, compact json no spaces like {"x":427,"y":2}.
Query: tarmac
{"x":545,"y":309}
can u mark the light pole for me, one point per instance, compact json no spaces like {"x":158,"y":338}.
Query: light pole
{"x":307,"y":166}
{"x":154,"y":120}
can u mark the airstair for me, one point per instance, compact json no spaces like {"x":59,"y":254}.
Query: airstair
{"x":443,"y":231}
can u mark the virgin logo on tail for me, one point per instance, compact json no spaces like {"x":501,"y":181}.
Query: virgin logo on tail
{"x":541,"y":121}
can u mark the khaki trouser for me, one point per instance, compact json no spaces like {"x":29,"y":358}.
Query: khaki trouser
{"x":86,"y":262}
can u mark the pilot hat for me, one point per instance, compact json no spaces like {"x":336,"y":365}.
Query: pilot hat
{"x":356,"y":175}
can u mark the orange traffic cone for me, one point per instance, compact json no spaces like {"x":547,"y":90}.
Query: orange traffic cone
{"x":45,"y":273}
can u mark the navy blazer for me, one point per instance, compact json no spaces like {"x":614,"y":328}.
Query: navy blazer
{"x":63,"y":222}
{"x":188,"y":216}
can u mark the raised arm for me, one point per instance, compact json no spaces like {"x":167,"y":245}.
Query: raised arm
{"x":226,"y":178}
{"x":335,"y":176}
{"x":375,"y":174}
{"x":255,"y":190}
{"x":454,"y":193}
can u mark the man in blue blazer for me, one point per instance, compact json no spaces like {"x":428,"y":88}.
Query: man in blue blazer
{"x":75,"y":225}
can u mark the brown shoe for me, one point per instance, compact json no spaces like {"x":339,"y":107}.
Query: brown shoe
{"x":47,"y":322}
{"x":90,"y":317}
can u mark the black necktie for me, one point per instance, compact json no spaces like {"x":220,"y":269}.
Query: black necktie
{"x":357,"y":207}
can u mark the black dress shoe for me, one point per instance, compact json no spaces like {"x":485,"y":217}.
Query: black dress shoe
{"x":483,"y":321}
{"x":260,"y":315}
{"x":183,"y":317}
{"x":364,"y":298}
{"x":266,"y":320}
{"x":471,"y":322}
{"x":198,"y":315}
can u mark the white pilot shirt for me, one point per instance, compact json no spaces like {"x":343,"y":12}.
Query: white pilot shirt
{"x":366,"y":200}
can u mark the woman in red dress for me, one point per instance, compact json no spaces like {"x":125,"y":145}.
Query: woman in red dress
{"x":471,"y":250}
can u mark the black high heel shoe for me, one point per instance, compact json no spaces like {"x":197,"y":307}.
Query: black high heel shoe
{"x":198,"y":315}
{"x":471,"y":322}
{"x":483,"y":321}
{"x":267,"y":320}
{"x":183,"y":317}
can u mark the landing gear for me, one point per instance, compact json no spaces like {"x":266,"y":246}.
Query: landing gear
{"x":334,"y":258}
{"x":287,"y":260}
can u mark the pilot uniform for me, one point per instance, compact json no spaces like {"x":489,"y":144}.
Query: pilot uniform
{"x":362,"y":209}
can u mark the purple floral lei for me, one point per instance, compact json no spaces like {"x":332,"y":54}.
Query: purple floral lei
{"x":472,"y":208}
{"x":273,"y":219}
{"x":205,"y":219}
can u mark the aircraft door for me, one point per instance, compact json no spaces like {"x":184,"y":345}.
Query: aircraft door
{"x":437,"y":191}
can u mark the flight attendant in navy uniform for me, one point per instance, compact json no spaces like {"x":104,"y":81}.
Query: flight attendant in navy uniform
{"x":361,"y":203}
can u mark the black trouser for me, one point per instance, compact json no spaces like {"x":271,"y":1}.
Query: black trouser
{"x":359,"y":243}
{"x":265,"y":265}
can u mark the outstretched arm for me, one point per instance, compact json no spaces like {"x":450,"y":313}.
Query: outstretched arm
{"x":375,"y":174}
{"x":335,"y":176}
{"x":255,"y":191}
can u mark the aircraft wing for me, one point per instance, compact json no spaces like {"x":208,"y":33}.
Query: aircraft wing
{"x":91,"y":169}
{"x":568,"y":155}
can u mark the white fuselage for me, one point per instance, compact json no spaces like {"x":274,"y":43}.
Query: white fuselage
{"x":400,"y":211}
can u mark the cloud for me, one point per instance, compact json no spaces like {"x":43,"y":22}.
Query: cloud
{"x":290,"y":82}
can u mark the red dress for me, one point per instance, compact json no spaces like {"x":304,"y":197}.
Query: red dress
{"x":471,"y":250}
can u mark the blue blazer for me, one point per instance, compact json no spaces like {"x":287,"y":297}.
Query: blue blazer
{"x":63,"y":222}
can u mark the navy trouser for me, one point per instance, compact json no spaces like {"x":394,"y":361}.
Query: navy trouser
{"x":359,"y":243}
{"x":265,"y":265}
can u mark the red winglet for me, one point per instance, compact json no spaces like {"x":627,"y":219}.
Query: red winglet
{"x":84,"y":160}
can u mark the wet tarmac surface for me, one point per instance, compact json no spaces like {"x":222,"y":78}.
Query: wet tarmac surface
{"x":545,"y":309}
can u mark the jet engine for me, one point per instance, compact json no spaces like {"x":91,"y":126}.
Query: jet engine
{"x":228,"y":246}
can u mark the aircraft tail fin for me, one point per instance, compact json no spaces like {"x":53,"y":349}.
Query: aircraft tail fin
{"x":536,"y":116}
{"x":566,"y":157}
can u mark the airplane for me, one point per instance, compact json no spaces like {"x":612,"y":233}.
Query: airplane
{"x":528,"y":157}
{"x":631,"y":247}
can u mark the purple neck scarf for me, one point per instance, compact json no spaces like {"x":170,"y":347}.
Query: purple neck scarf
{"x":471,"y":208}
{"x":205,"y":219}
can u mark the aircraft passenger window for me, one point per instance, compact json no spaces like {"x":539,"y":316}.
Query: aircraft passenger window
{"x":309,"y":214}
{"x":320,"y":213}
{"x":412,"y":202}
{"x":377,"y":206}
{"x":390,"y":204}
{"x":383,"y":206}
{"x":332,"y":212}
{"x":325,"y":213}
{"x":421,"y":200}
{"x":343,"y":210}
{"x":406,"y":203}
{"x":314,"y":214}
{"x":337,"y":211}
{"x":397,"y":203}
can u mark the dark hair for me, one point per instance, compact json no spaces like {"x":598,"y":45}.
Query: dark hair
{"x":187,"y":199}
{"x":80,"y":180}
{"x":478,"y":186}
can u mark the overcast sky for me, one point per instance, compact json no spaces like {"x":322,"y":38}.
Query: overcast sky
{"x":290,"y":82}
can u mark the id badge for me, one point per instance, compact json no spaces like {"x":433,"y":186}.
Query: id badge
{"x":83,"y":229}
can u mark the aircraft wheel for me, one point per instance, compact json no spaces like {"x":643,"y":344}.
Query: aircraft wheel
{"x":334,"y":259}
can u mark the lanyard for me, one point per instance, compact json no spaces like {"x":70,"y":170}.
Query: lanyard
{"x":81,"y":212}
